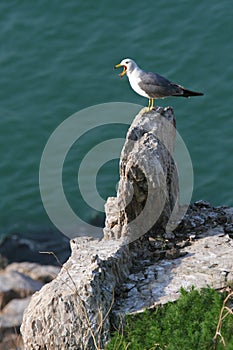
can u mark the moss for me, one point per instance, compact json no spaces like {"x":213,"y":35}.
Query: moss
{"x":187,"y":324}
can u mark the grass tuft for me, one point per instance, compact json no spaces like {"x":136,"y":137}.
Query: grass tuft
{"x":194,"y":321}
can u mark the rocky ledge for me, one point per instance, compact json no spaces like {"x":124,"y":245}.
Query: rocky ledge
{"x":103,"y":280}
{"x":140,"y":262}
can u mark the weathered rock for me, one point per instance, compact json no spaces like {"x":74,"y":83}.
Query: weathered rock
{"x":72,"y":312}
{"x":148,"y":187}
{"x":43,"y":273}
{"x":14,"y":284}
{"x":55,"y":318}
{"x":201,"y":216}
{"x":206,"y":262}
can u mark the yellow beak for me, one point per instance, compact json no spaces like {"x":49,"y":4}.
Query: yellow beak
{"x":124,"y":69}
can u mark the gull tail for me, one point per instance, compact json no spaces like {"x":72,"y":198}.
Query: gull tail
{"x":188,"y":93}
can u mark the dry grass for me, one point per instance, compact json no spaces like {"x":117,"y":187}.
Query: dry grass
{"x":225,"y":311}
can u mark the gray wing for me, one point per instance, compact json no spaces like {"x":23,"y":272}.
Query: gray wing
{"x":156,"y":86}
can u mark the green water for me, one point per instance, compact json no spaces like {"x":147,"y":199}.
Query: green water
{"x":56,"y":58}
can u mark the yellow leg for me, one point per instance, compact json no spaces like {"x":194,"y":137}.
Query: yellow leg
{"x":151,"y":104}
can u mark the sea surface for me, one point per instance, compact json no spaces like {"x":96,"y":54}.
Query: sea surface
{"x":57,"y":58}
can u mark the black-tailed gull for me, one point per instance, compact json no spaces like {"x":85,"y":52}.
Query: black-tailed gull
{"x":151,"y":85}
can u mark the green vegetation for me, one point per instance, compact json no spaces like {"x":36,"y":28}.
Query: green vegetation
{"x":187,"y":324}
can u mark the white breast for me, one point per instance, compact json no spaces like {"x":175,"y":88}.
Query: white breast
{"x":134,"y":80}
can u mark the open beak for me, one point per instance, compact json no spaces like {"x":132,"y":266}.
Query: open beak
{"x":124,"y":69}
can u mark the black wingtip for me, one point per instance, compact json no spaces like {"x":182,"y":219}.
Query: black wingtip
{"x":189,"y":93}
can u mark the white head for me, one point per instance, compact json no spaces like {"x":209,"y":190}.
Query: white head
{"x":128,"y":64}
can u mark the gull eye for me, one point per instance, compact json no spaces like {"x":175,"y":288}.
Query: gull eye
{"x":127,"y":62}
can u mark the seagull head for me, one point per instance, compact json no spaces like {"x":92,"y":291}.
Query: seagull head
{"x":128,"y":66}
